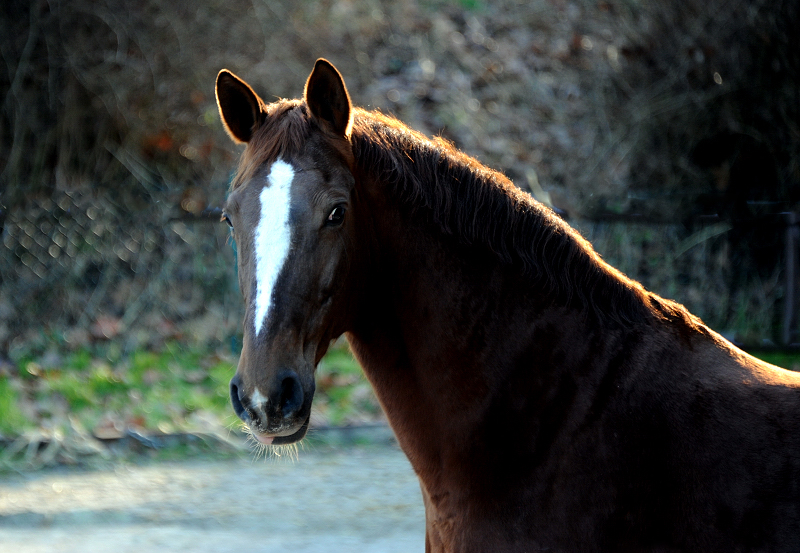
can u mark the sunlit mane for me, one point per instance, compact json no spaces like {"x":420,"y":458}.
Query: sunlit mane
{"x":483,"y":207}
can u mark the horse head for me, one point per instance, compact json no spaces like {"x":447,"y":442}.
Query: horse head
{"x":291,"y":209}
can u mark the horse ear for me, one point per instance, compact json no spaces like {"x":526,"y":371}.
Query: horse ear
{"x":239,"y":107}
{"x":328,"y":100}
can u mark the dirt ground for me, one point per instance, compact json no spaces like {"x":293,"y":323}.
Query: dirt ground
{"x":361,"y":498}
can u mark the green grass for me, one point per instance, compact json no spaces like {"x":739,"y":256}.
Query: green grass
{"x":168,"y":390}
{"x":12,"y":419}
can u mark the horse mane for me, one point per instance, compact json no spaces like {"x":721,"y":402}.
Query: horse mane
{"x":477,"y":205}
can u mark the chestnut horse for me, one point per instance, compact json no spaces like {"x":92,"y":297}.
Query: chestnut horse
{"x":546,"y":401}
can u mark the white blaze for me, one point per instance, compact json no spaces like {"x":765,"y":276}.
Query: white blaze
{"x":272,"y":237}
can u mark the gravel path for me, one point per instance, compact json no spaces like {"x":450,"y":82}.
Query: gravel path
{"x":362,"y":499}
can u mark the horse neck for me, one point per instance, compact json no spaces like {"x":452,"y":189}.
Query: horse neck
{"x":443,"y":329}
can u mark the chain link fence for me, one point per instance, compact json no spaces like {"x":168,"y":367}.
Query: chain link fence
{"x":79,"y":266}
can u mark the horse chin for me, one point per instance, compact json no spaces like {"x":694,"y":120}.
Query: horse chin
{"x":296,"y":436}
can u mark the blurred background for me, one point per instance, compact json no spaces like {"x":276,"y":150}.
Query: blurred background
{"x":668,"y":133}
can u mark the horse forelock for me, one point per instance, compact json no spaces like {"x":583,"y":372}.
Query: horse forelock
{"x":282,"y":133}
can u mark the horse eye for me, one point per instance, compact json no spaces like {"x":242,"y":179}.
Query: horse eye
{"x":226,"y":219}
{"x":336,"y":216}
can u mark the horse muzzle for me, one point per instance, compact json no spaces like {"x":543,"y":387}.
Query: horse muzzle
{"x":279,"y":416}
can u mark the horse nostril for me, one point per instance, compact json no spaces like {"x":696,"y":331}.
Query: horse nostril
{"x":236,"y":401}
{"x":291,"y":398}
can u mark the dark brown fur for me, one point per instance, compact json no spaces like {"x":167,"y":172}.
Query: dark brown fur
{"x":546,"y":401}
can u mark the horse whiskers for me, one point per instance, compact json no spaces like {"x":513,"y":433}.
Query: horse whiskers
{"x":290,"y":451}
{"x":236,"y":425}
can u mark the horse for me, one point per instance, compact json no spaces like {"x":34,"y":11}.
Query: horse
{"x":545,"y":401}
